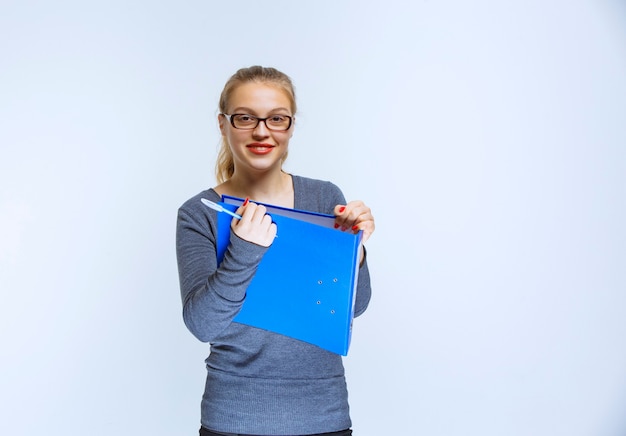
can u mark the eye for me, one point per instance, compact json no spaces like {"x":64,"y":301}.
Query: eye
{"x":279,"y":122}
{"x":244,"y":119}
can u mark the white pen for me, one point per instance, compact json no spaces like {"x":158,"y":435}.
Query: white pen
{"x":219,"y":208}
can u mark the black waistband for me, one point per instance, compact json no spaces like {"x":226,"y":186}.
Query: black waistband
{"x":207,"y":432}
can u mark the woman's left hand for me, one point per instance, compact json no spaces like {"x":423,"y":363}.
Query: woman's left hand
{"x":355,"y":216}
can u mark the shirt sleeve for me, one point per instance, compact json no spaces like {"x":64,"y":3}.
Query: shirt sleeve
{"x":212,"y":295}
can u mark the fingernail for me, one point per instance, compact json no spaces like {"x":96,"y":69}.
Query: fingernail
{"x":355,"y":228}
{"x":336,"y":225}
{"x":342,"y":208}
{"x":246,"y":202}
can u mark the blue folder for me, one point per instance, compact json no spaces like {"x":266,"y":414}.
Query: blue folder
{"x":305,"y":285}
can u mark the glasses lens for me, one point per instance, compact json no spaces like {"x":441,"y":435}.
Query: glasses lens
{"x":278,"y":122}
{"x":244,"y":121}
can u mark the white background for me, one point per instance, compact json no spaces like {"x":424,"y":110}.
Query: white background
{"x":488,"y":137}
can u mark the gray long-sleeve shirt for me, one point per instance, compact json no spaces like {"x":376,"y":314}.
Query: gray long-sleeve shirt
{"x":258,"y":382}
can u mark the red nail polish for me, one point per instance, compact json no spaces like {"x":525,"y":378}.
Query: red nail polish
{"x":336,"y":225}
{"x":245,"y":202}
{"x":355,"y":228}
{"x":341,"y":209}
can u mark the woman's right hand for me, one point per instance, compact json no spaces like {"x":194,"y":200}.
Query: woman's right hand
{"x":255,"y":225}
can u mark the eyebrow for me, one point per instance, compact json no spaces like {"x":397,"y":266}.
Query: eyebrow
{"x":247,"y":110}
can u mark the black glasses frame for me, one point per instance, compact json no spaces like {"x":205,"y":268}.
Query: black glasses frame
{"x":258,"y":120}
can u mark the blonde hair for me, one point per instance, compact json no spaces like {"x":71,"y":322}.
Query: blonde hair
{"x":225,"y":167}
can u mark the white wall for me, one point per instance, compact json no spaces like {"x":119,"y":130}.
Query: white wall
{"x":488,"y":137}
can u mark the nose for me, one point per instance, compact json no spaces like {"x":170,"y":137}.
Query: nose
{"x":261,"y":129}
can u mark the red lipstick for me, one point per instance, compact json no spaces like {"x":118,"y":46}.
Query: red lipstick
{"x":260,"y":148}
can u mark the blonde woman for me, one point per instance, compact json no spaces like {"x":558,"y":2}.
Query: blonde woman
{"x":259,"y":382}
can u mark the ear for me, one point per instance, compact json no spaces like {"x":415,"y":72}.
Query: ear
{"x":221,"y":120}
{"x":293,"y":127}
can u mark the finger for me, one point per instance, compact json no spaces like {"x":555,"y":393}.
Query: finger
{"x":367,"y":228}
{"x":353,"y":213}
{"x":266,"y":221}
{"x":241,"y":208}
{"x":251,"y":212}
{"x":342,"y":214}
{"x":272,"y":232}
{"x":339,"y":209}
{"x":366,"y":225}
{"x":247,"y":222}
{"x":268,"y":230}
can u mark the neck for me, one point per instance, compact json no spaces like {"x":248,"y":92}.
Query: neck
{"x":272,"y":188}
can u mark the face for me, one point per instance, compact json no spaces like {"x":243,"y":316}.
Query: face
{"x":259,"y":149}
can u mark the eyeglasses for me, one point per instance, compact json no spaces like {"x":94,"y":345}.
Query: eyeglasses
{"x":250,"y":122}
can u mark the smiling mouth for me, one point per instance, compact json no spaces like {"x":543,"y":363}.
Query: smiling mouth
{"x":260,"y":148}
